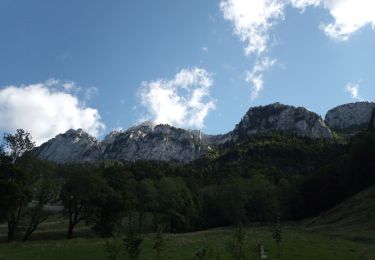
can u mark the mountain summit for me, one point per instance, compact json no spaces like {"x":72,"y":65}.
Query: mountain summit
{"x":148,"y":141}
{"x":71,"y":147}
{"x":282,"y":118}
{"x":142,"y":142}
{"x":352,"y":117}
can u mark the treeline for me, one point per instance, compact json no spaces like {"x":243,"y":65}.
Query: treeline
{"x":104,"y":195}
{"x":348,"y":174}
{"x":253,"y":182}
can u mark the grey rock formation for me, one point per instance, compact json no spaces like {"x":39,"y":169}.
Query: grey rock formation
{"x":110,"y":138}
{"x":281,"y":118}
{"x":166,"y":143}
{"x":142,"y":142}
{"x":217,"y":140}
{"x":351,"y":118}
{"x":70,"y":147}
{"x":160,"y":142}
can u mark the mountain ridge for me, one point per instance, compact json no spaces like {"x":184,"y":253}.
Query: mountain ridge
{"x":149,"y":141}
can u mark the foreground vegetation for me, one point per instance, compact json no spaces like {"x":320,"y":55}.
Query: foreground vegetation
{"x":267,"y":179}
{"x":297,"y":244}
{"x":352,"y":219}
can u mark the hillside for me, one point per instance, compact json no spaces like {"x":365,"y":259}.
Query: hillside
{"x":267,"y":175}
{"x":288,"y":153}
{"x":354,"y":218}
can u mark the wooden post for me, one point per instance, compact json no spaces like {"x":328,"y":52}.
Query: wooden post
{"x":262,"y":255}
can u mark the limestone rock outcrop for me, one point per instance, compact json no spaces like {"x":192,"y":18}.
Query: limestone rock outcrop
{"x":74,"y":146}
{"x":351,"y":118}
{"x":281,"y":118}
{"x":166,"y":143}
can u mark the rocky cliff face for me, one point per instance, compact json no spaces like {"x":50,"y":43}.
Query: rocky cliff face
{"x":70,"y":147}
{"x":351,"y":118}
{"x":160,"y":142}
{"x":143,"y":142}
{"x":281,"y":118}
{"x":167,"y":143}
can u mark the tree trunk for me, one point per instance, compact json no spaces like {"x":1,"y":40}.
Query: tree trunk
{"x":12,"y":225}
{"x":140,"y":220}
{"x":70,"y":229}
{"x":30,"y":230}
{"x":73,"y":220}
{"x":27,"y":235}
{"x":11,"y":231}
{"x":155,"y":220}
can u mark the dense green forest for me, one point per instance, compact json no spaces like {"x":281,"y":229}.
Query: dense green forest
{"x":259,"y":180}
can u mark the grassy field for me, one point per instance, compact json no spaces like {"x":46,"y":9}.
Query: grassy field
{"x":353,"y":219}
{"x":297,"y":244}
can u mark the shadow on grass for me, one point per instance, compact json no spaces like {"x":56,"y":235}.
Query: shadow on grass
{"x":84,"y":232}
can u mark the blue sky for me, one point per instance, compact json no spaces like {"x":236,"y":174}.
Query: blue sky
{"x":104,"y":65}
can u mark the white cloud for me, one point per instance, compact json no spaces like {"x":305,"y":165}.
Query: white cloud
{"x":353,"y":90}
{"x":252,"y":20}
{"x":349,"y":16}
{"x":52,"y":82}
{"x":255,"y":76}
{"x":45,"y":110}
{"x":90,"y":93}
{"x":302,"y":4}
{"x":69,"y":85}
{"x":87,"y":93}
{"x":183,"y":101}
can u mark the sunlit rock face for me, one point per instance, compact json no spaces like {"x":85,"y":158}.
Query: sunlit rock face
{"x":142,"y":142}
{"x":166,"y":143}
{"x":281,"y":118}
{"x":351,"y":118}
{"x":70,"y":147}
{"x":160,"y":142}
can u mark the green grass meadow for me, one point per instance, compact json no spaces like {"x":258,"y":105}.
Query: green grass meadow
{"x":297,"y":244}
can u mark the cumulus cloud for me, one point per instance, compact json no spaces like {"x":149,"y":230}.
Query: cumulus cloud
{"x":255,"y":76}
{"x":353,"y":90}
{"x":349,"y":16}
{"x":45,"y":110}
{"x":183,"y":101}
